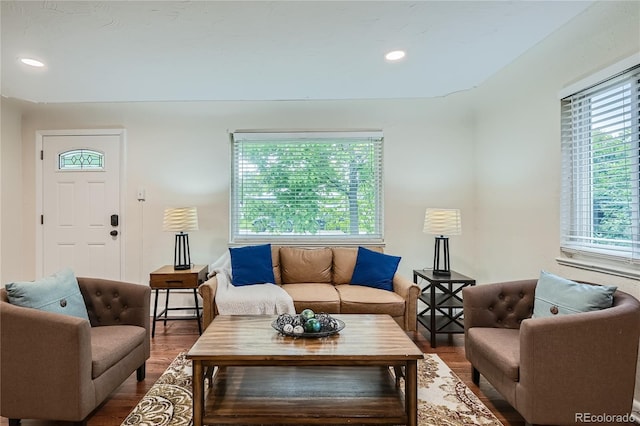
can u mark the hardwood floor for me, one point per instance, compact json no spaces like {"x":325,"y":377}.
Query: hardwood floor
{"x":179,"y":336}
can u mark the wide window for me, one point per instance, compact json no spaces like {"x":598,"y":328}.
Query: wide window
{"x":601,"y":149}
{"x":307,"y":186}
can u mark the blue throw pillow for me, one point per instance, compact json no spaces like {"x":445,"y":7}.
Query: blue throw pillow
{"x":251,"y":265}
{"x":559,"y":296}
{"x":375,"y":269}
{"x":58,"y":293}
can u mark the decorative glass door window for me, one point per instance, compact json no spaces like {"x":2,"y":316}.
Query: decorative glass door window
{"x":81,"y":159}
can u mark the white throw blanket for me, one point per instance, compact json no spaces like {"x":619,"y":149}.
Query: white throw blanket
{"x":255,"y":299}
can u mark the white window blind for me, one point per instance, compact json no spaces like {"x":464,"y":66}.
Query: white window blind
{"x":600,"y":169}
{"x":307,"y":186}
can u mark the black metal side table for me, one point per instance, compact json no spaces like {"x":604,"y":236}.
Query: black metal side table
{"x":442,"y":296}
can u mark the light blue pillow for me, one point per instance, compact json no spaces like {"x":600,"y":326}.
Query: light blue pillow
{"x":374,"y":269}
{"x":559,"y":296}
{"x":251,"y":265}
{"x":58,"y":293}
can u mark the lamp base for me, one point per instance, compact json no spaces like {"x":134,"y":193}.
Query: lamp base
{"x":181,"y":267}
{"x":181,"y":255}
{"x":438,"y":269}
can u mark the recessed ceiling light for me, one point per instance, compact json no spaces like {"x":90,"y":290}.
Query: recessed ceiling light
{"x":395,"y":55}
{"x":32,"y":62}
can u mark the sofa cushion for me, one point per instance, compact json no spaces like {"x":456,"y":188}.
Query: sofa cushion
{"x":374,"y":269}
{"x":320,"y":297}
{"x":57,"y":293}
{"x":251,"y":265}
{"x":496,"y":352}
{"x":302,"y":265}
{"x":344,"y":261}
{"x":555,"y":295}
{"x":111,"y":344}
{"x":275,"y":260}
{"x":357,"y":299}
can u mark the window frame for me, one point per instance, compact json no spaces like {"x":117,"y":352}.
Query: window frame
{"x":578,"y":248}
{"x":303,"y":137}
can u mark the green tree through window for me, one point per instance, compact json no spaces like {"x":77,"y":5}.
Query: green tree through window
{"x":612,"y":188}
{"x":322,"y":186}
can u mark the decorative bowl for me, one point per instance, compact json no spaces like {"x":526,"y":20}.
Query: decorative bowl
{"x":329,"y":325}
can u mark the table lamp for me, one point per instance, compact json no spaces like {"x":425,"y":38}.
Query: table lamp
{"x":441,"y":222}
{"x":181,"y":219}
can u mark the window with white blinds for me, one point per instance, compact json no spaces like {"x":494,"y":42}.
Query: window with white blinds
{"x":307,"y":186}
{"x":600,"y":169}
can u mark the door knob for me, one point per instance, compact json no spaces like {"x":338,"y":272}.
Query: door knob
{"x":113,"y":233}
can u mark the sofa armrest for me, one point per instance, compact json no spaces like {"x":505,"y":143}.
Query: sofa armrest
{"x":45,"y":357}
{"x":208,"y":292}
{"x":599,"y":347}
{"x":503,"y":305}
{"x":409,"y":292}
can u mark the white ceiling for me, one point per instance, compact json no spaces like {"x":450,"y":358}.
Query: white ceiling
{"x":98,"y":51}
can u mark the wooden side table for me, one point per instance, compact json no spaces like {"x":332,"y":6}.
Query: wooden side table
{"x":443,"y":297}
{"x":167,"y":278}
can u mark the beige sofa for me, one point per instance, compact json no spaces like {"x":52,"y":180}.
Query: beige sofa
{"x":61,"y":367}
{"x":552,"y":369}
{"x":319,"y":279}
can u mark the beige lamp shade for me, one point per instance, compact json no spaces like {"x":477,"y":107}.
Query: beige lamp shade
{"x":180,"y":219}
{"x":442,"y":222}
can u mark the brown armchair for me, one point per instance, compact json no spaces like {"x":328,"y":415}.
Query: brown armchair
{"x":60,"y":367}
{"x":552,"y":369}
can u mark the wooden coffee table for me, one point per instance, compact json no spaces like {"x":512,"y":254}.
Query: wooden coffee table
{"x":266,"y":378}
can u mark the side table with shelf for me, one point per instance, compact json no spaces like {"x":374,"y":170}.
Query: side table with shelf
{"x":442,"y":296}
{"x":167,"y":278}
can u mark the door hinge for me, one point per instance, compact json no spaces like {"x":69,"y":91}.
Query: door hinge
{"x":41,"y":219}
{"x":42,"y":154}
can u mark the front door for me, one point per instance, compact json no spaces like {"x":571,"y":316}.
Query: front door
{"x":81,"y":220}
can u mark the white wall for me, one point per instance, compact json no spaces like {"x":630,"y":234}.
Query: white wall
{"x":11,"y":247}
{"x":518,"y":147}
{"x":518,"y":143}
{"x":179,"y":152}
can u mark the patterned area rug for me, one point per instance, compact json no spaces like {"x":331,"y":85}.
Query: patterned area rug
{"x":443,"y":400}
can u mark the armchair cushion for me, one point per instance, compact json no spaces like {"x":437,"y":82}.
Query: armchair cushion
{"x":375,"y":269}
{"x":57,"y":293}
{"x":109,"y":345}
{"x":251,"y":265}
{"x":496,"y":350}
{"x":555,"y":295}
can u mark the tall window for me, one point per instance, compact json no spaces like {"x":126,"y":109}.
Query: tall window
{"x":309,"y":186}
{"x":601,"y":149}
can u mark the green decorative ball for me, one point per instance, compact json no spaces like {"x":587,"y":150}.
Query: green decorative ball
{"x":307,"y":314}
{"x":312,"y":325}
